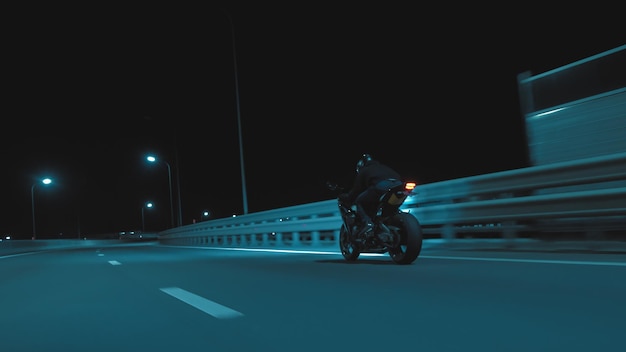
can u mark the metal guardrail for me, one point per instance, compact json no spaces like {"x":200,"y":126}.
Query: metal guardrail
{"x":593,"y":189}
{"x":592,"y":172}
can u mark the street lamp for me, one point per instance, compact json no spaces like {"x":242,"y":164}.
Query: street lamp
{"x":205,"y":215}
{"x":153,"y":159}
{"x":243,"y":173}
{"x":45,"y":181}
{"x":143,"y":222}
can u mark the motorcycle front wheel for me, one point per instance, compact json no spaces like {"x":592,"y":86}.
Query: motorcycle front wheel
{"x":410,"y":232}
{"x":348,"y":249}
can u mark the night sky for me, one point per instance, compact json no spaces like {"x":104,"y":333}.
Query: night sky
{"x":93,"y":90}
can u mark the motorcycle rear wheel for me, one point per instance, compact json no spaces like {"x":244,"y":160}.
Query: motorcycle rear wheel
{"x":411,"y":236}
{"x":348,"y":249}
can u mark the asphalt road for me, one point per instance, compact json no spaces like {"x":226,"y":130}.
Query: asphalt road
{"x":150,"y":297}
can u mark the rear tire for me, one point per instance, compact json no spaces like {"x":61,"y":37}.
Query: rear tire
{"x":348,"y":249}
{"x":410,"y":232}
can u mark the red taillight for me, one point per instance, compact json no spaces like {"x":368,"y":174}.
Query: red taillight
{"x":409,"y":186}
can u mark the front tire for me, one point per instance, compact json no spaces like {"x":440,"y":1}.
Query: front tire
{"x":348,"y":249}
{"x":410,"y":232}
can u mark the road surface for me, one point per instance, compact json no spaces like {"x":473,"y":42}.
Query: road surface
{"x":150,"y":297}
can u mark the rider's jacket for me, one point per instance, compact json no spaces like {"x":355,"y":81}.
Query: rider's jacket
{"x":369,"y":175}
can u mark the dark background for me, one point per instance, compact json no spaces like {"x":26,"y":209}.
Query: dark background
{"x":89,"y":91}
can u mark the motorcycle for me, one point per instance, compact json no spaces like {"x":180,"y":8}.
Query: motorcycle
{"x":395,"y":232}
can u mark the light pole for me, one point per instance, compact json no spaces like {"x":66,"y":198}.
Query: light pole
{"x":143,"y":222}
{"x":153,"y":159}
{"x":45,"y":181}
{"x":243,"y":173}
{"x":180,"y":212}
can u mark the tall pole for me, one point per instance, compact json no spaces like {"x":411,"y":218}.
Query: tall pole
{"x":180,"y":212}
{"x":32,"y":203}
{"x":143,"y":221}
{"x":152,"y":159}
{"x":169,"y":175}
{"x":243,"y":174}
{"x":45,"y":181}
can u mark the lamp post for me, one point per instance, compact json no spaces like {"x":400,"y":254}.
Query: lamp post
{"x":45,"y":181}
{"x":153,"y":159}
{"x":243,"y":173}
{"x":180,"y":212}
{"x":143,"y":222}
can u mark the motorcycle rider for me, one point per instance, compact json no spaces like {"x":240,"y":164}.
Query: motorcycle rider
{"x":372,"y":180}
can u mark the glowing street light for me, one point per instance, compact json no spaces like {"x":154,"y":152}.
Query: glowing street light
{"x":143,"y":222}
{"x":153,"y":159}
{"x":45,"y":181}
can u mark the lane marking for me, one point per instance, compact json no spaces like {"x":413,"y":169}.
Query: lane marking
{"x":114,"y":262}
{"x":536,"y":261}
{"x":215,"y":309}
{"x":17,"y":255}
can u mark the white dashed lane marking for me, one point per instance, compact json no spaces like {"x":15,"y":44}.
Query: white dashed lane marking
{"x":114,"y":262}
{"x":215,"y":309}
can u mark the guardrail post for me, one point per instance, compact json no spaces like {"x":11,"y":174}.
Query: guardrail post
{"x":295,"y":235}
{"x":448,"y":232}
{"x":265,"y":241}
{"x":509,"y":233}
{"x":315,"y":239}
{"x":278,"y":239}
{"x":295,"y":239}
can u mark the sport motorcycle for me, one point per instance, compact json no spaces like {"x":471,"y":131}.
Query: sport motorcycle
{"x":395,"y":231}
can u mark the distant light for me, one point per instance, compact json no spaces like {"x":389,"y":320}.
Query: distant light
{"x":149,"y":205}
{"x":46,"y":181}
{"x":151,"y":159}
{"x":7,"y":237}
{"x":410,"y":185}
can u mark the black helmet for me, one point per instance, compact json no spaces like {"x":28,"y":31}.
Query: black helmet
{"x":365,"y":158}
